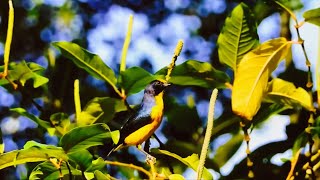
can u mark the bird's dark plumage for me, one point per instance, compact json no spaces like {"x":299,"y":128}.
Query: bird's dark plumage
{"x":142,"y":124}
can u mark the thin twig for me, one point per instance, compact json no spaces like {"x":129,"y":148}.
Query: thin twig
{"x":248,"y":152}
{"x":69,"y":170}
{"x":132,"y":166}
{"x":309,"y":86}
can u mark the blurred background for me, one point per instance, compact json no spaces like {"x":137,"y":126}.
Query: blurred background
{"x":100,"y":26}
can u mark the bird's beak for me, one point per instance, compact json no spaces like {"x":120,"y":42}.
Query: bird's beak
{"x":166,"y":84}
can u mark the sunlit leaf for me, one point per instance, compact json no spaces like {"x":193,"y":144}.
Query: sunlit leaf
{"x":92,"y":63}
{"x":227,"y":150}
{"x":47,"y":170}
{"x":312,"y":16}
{"x":238,"y":36}
{"x":191,"y":161}
{"x":98,"y":164}
{"x":100,"y":176}
{"x":135,"y":79}
{"x":251,"y":78}
{"x":32,"y":152}
{"x":176,"y":177}
{"x":195,"y":73}
{"x":24,"y":72}
{"x":61,"y":122}
{"x":281,"y":91}
{"x":89,"y":175}
{"x":184,"y":148}
{"x":100,"y":109}
{"x":87,"y":136}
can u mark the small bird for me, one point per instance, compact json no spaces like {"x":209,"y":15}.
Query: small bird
{"x":142,"y":124}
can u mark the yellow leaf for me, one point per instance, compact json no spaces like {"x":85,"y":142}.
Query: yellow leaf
{"x":284,"y":92}
{"x":251,"y":78}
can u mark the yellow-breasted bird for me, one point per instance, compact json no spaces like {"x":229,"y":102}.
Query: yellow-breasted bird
{"x":142,"y":124}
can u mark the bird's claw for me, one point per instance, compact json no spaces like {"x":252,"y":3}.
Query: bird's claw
{"x":150,"y":159}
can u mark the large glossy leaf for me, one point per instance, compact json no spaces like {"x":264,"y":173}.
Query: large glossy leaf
{"x":100,"y":109}
{"x":87,"y":136}
{"x":227,"y":150}
{"x":40,"y":122}
{"x":92,"y":63}
{"x":48,"y":171}
{"x":238,"y":36}
{"x":312,"y":16}
{"x":185,"y":148}
{"x":284,"y":92}
{"x":23,"y":72}
{"x":251,"y":78}
{"x":83,"y":158}
{"x":191,"y":161}
{"x":135,"y":79}
{"x":32,"y":152}
{"x":195,"y":73}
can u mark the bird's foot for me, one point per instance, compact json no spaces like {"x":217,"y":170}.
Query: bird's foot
{"x":150,"y":159}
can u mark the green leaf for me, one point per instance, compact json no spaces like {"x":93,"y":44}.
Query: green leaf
{"x":226,"y":151}
{"x":300,"y":142}
{"x":191,"y":161}
{"x":87,"y":136}
{"x":91,"y":63}
{"x":24,"y":72}
{"x":32,"y":152}
{"x":253,"y":72}
{"x":195,"y":73}
{"x":312,"y":16}
{"x":61,"y":122}
{"x":134,"y":79}
{"x":100,"y":176}
{"x":40,"y":122}
{"x":48,"y":171}
{"x":100,"y":110}
{"x":97,"y":164}
{"x":284,"y":92}
{"x":83,"y":158}
{"x":238,"y":36}
{"x":176,"y":177}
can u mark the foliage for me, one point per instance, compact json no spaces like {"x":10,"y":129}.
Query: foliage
{"x":84,"y":137}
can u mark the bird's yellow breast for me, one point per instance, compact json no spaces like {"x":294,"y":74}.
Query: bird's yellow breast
{"x":143,"y":133}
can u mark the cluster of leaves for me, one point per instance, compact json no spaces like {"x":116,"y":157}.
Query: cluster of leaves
{"x":77,"y":153}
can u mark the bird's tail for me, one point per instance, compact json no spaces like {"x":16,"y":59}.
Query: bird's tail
{"x":115,"y":147}
{"x":112,"y":150}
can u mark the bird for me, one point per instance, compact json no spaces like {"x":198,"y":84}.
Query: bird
{"x":143,"y":123}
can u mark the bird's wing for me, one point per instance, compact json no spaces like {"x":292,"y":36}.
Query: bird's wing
{"x":134,"y":123}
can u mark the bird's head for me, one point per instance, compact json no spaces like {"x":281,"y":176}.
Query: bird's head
{"x":156,"y":87}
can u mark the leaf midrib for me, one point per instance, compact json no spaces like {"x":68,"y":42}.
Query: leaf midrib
{"x":288,"y":96}
{"x":261,"y":72}
{"x":88,"y":65}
